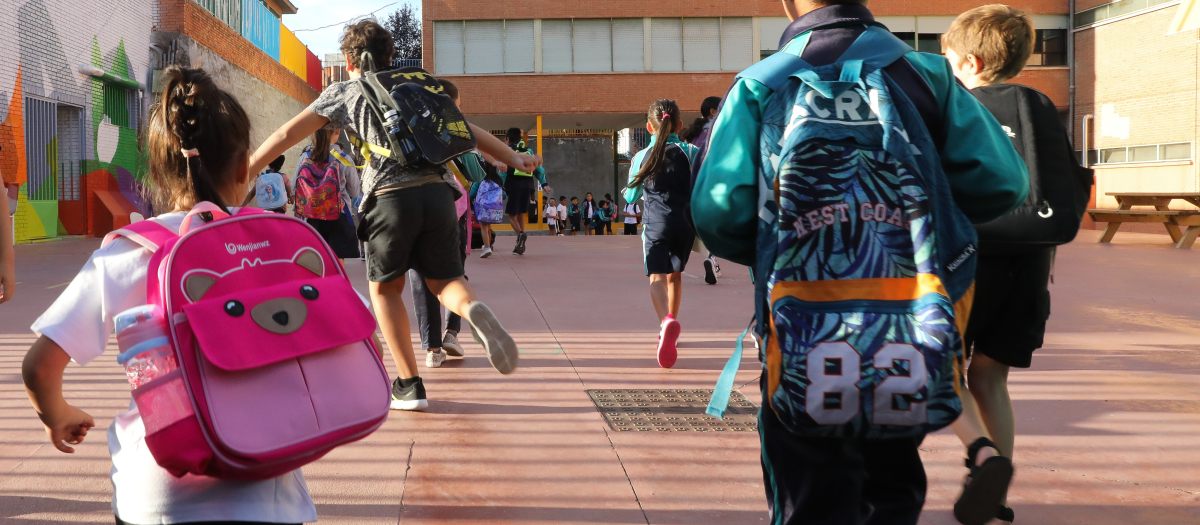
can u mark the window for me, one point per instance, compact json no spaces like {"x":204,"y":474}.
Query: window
{"x":702,"y":44}
{"x":592,"y":43}
{"x":1113,"y":10}
{"x":666,"y":38}
{"x":518,"y":46}
{"x":448,"y":37}
{"x":1141,"y":154}
{"x":628,"y":44}
{"x":484,"y":46}
{"x":556,"y":46}
{"x":929,"y":43}
{"x":1049,"y":48}
{"x":737,"y":39}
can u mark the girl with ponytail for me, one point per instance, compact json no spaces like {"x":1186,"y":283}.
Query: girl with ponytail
{"x":198,"y":141}
{"x":662,"y":173}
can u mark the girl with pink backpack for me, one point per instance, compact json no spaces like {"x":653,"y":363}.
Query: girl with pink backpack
{"x":224,"y":408}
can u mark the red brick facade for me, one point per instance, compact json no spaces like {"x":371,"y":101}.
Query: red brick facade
{"x":184,"y":16}
{"x":626,"y":92}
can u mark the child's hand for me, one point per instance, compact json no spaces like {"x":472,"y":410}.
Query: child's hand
{"x":70,"y":426}
{"x":525,"y":162}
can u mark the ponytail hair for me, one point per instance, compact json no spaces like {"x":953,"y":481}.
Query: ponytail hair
{"x":197,"y":135}
{"x":664,"y":120}
{"x":322,"y":142}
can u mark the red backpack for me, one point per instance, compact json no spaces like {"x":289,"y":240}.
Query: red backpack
{"x":318,"y":190}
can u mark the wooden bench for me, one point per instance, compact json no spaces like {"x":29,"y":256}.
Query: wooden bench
{"x":1171,"y":219}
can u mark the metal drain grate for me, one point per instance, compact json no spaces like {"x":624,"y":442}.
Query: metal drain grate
{"x":676,"y":410}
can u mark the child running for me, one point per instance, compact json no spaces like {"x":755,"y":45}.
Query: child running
{"x":408,"y":216}
{"x":663,"y":173}
{"x":816,"y":472}
{"x":198,"y":141}
{"x":519,"y":186}
{"x":323,"y":190}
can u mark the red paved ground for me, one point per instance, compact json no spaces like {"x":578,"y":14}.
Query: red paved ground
{"x":1108,"y":416}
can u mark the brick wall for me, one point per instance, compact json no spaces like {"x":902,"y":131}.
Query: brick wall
{"x":184,"y":16}
{"x":1054,"y":82}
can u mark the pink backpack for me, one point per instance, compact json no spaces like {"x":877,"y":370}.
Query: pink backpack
{"x":318,"y":190}
{"x":276,"y":365}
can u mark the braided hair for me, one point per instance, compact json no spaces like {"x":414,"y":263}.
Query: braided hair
{"x":664,"y":119}
{"x":197,"y":135}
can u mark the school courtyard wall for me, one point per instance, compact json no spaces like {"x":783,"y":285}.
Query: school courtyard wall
{"x":1141,"y":85}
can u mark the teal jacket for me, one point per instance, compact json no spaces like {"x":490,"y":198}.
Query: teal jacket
{"x":986,"y":175}
{"x":633,"y":194}
{"x":539,"y":172}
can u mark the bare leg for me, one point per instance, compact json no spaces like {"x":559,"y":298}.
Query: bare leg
{"x":969,"y":427}
{"x":516,"y":222}
{"x":455,"y":294}
{"x":486,"y":231}
{"x":674,"y":293}
{"x":989,"y":386}
{"x":392,"y":316}
{"x":659,"y":295}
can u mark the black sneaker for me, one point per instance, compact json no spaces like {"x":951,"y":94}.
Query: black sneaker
{"x":408,"y":398}
{"x":520,"y":249}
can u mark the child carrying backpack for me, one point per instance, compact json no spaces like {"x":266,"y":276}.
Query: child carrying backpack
{"x":987,"y":46}
{"x":255,"y":354}
{"x":663,"y":174}
{"x":271,"y":188}
{"x":865,"y":164}
{"x":322,"y":189}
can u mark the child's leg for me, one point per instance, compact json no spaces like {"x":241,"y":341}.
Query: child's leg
{"x":458,"y":296}
{"x":392,"y":316}
{"x":486,"y":231}
{"x":674,"y":293}
{"x":989,"y":388}
{"x":659,"y":294}
{"x":428,"y":311}
{"x":970,"y":426}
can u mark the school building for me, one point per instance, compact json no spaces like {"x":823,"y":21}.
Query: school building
{"x":593,"y":68}
{"x":77,"y":80}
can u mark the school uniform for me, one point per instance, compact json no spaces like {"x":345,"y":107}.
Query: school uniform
{"x":667,"y":233}
{"x":819,"y":480}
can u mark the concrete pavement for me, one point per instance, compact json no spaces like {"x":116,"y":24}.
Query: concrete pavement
{"x":1107,"y":417}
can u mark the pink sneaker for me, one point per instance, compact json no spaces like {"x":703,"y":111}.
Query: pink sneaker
{"x":667,"y":337}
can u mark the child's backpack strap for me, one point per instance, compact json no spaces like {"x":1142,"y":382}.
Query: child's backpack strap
{"x":150,"y":234}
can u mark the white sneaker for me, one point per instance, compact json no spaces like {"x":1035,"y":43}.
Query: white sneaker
{"x":487,"y":252}
{"x":451,"y":346}
{"x":716,"y":267}
{"x":434,"y":358}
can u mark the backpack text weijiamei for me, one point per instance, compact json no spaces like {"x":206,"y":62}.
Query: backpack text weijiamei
{"x":865,"y":264}
{"x":269,"y":362}
{"x":270,"y":190}
{"x":1059,"y":188}
{"x":318,"y":190}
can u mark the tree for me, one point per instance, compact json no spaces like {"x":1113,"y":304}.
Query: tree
{"x":405,"y":26}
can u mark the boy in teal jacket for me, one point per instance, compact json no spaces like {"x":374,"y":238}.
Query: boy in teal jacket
{"x":829,"y":480}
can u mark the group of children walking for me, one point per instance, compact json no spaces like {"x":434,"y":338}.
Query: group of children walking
{"x":803,"y":206}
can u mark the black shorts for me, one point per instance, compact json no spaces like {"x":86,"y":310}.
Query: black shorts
{"x":666,"y":249}
{"x":519,"y":190}
{"x":339,"y":234}
{"x":630,"y":229}
{"x":1011,"y":306}
{"x":574,"y":223}
{"x":413,"y":228}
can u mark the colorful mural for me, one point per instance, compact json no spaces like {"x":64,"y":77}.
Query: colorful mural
{"x":64,"y":136}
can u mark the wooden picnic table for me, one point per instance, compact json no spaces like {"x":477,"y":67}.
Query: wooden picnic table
{"x":1162,"y":213}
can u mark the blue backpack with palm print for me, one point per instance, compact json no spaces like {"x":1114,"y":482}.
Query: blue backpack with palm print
{"x":865,"y":264}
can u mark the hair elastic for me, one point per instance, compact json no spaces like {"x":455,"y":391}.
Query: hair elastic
{"x":189,"y":153}
{"x":666,"y":115}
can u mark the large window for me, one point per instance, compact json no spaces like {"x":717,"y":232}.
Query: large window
{"x":1176,"y":151}
{"x":1113,"y":10}
{"x":593,"y":45}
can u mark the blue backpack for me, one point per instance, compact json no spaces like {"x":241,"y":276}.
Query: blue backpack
{"x":865,"y":265}
{"x":489,"y":203}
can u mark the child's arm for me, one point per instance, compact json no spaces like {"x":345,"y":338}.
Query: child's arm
{"x":8,"y":272}
{"x":299,"y":128}
{"x":250,"y":195}
{"x":42,"y":372}
{"x":491,"y":145}
{"x":725,"y":199}
{"x":987,"y":177}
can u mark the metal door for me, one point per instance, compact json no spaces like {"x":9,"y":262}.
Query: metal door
{"x":41,"y":161}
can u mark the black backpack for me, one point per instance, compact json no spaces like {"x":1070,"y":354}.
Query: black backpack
{"x":422,"y":124}
{"x":1059,"y":188}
